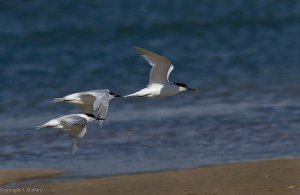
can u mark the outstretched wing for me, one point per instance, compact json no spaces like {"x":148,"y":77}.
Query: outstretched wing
{"x":88,"y":98}
{"x":77,"y":140}
{"x":87,"y":106}
{"x":74,"y":120}
{"x":101,"y":106}
{"x":161,"y":66}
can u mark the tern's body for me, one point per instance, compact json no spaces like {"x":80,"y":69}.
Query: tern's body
{"x":159,"y":85}
{"x":157,"y":90}
{"x":74,"y":124}
{"x":94,"y":102}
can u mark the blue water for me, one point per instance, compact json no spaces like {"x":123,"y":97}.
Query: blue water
{"x":243,"y":55}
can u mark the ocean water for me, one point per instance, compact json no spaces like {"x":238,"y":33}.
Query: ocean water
{"x":244,"y":56}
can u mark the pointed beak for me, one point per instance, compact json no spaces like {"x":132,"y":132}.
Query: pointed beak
{"x":191,"y":89}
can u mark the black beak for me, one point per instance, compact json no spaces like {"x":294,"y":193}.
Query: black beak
{"x":191,"y":89}
{"x":113,"y":94}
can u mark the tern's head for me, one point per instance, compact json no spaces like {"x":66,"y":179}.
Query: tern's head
{"x":184,"y":87}
{"x":114,"y":95}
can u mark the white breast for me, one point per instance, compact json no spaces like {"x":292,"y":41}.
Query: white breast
{"x":153,"y":90}
{"x":169,"y":90}
{"x":158,"y":90}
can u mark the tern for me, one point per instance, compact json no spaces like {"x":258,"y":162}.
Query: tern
{"x":94,"y":102}
{"x":159,"y":85}
{"x":74,"y":124}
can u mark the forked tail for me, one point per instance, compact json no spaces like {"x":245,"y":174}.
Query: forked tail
{"x":50,"y":124}
{"x":57,"y":100}
{"x":140,"y":93}
{"x":41,"y":126}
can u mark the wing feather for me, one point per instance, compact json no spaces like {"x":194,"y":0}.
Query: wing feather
{"x":100,"y":106}
{"x":161,"y":66}
{"x":76,"y":140}
{"x":89,"y":98}
{"x":73,"y":120}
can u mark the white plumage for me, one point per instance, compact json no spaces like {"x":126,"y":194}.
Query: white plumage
{"x":94,"y":102}
{"x":159,"y":85}
{"x":73,"y":124}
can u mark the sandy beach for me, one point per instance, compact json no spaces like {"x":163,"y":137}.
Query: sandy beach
{"x":276,"y":177}
{"x":11,"y":176}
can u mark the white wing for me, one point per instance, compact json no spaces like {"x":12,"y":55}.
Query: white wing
{"x":74,"y":146}
{"x":101,"y":106}
{"x":73,"y":120}
{"x":89,"y":97}
{"x":98,"y":92}
{"x":87,"y":106}
{"x":161,"y":69}
{"x":77,"y":140}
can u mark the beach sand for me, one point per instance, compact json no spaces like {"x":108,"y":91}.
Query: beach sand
{"x":15,"y":175}
{"x":276,"y":177}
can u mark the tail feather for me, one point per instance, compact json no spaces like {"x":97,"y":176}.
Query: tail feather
{"x":41,"y":126}
{"x":38,"y":127}
{"x":50,"y":124}
{"x":136,"y":95}
{"x":57,"y":100}
{"x":126,"y":96}
{"x":132,"y":95}
{"x":140,"y":93}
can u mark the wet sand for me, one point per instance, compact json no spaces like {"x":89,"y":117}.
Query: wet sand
{"x":276,"y":177}
{"x":15,"y":175}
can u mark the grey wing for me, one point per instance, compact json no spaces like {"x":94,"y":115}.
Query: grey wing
{"x":74,"y":146}
{"x":88,"y":100}
{"x":77,"y":140}
{"x":98,"y":92}
{"x":161,"y":66}
{"x":101,"y":106}
{"x":73,"y":120}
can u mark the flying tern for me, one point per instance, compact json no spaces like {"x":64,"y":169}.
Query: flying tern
{"x":74,"y":124}
{"x":94,"y":102}
{"x":159,"y":85}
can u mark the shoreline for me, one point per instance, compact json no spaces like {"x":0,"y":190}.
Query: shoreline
{"x":276,"y":177}
{"x":11,"y":176}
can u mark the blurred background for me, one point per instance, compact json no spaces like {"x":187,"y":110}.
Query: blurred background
{"x":243,"y":55}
